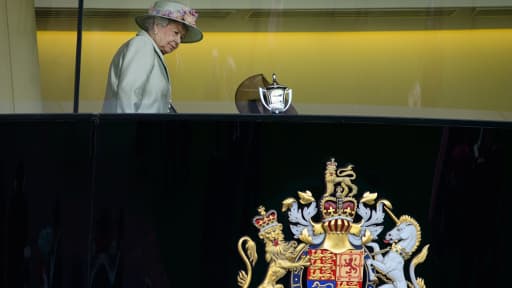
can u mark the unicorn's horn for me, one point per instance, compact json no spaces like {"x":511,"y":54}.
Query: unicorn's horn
{"x":386,"y":207}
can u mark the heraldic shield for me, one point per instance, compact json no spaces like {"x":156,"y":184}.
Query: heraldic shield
{"x":342,"y":249}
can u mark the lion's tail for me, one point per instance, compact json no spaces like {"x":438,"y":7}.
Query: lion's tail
{"x":249,"y":256}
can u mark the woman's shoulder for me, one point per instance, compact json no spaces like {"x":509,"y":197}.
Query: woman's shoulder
{"x":140,"y":46}
{"x":141,"y":40}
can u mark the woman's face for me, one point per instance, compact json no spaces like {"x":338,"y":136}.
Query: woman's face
{"x":168,"y":38}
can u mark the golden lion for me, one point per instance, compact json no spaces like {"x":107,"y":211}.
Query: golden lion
{"x":282,"y":256}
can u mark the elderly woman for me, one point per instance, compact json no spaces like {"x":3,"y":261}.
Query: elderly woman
{"x":138,"y":79}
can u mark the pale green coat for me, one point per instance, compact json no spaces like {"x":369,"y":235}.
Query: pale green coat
{"x":138,"y":79}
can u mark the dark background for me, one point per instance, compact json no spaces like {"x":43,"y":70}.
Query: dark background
{"x":168,"y":196}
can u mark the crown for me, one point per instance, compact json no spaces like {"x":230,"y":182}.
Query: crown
{"x":334,"y":207}
{"x":266,"y":219}
{"x":341,"y":206}
{"x":348,"y":208}
{"x":331,"y":165}
{"x":338,"y":213}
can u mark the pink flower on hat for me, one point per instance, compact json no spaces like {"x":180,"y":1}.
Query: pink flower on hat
{"x":188,"y":16}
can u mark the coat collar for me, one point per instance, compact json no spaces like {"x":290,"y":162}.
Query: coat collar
{"x":144,"y":34}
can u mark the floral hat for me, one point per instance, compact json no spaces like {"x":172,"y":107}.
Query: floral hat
{"x":177,"y":12}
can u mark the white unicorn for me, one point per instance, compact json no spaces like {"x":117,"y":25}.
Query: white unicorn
{"x":405,"y":238}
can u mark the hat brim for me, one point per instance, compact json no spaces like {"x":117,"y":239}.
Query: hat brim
{"x":193,"y":33}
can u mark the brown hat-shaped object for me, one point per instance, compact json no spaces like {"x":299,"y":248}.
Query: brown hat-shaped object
{"x":247,"y":96}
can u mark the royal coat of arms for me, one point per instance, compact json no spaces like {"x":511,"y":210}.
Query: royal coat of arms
{"x":339,"y":240}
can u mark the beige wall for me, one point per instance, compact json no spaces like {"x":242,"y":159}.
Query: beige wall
{"x":431,"y":68}
{"x":447,"y":63}
{"x":19,"y":69}
{"x":6,"y":103}
{"x":286,"y":4}
{"x":445,"y":73}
